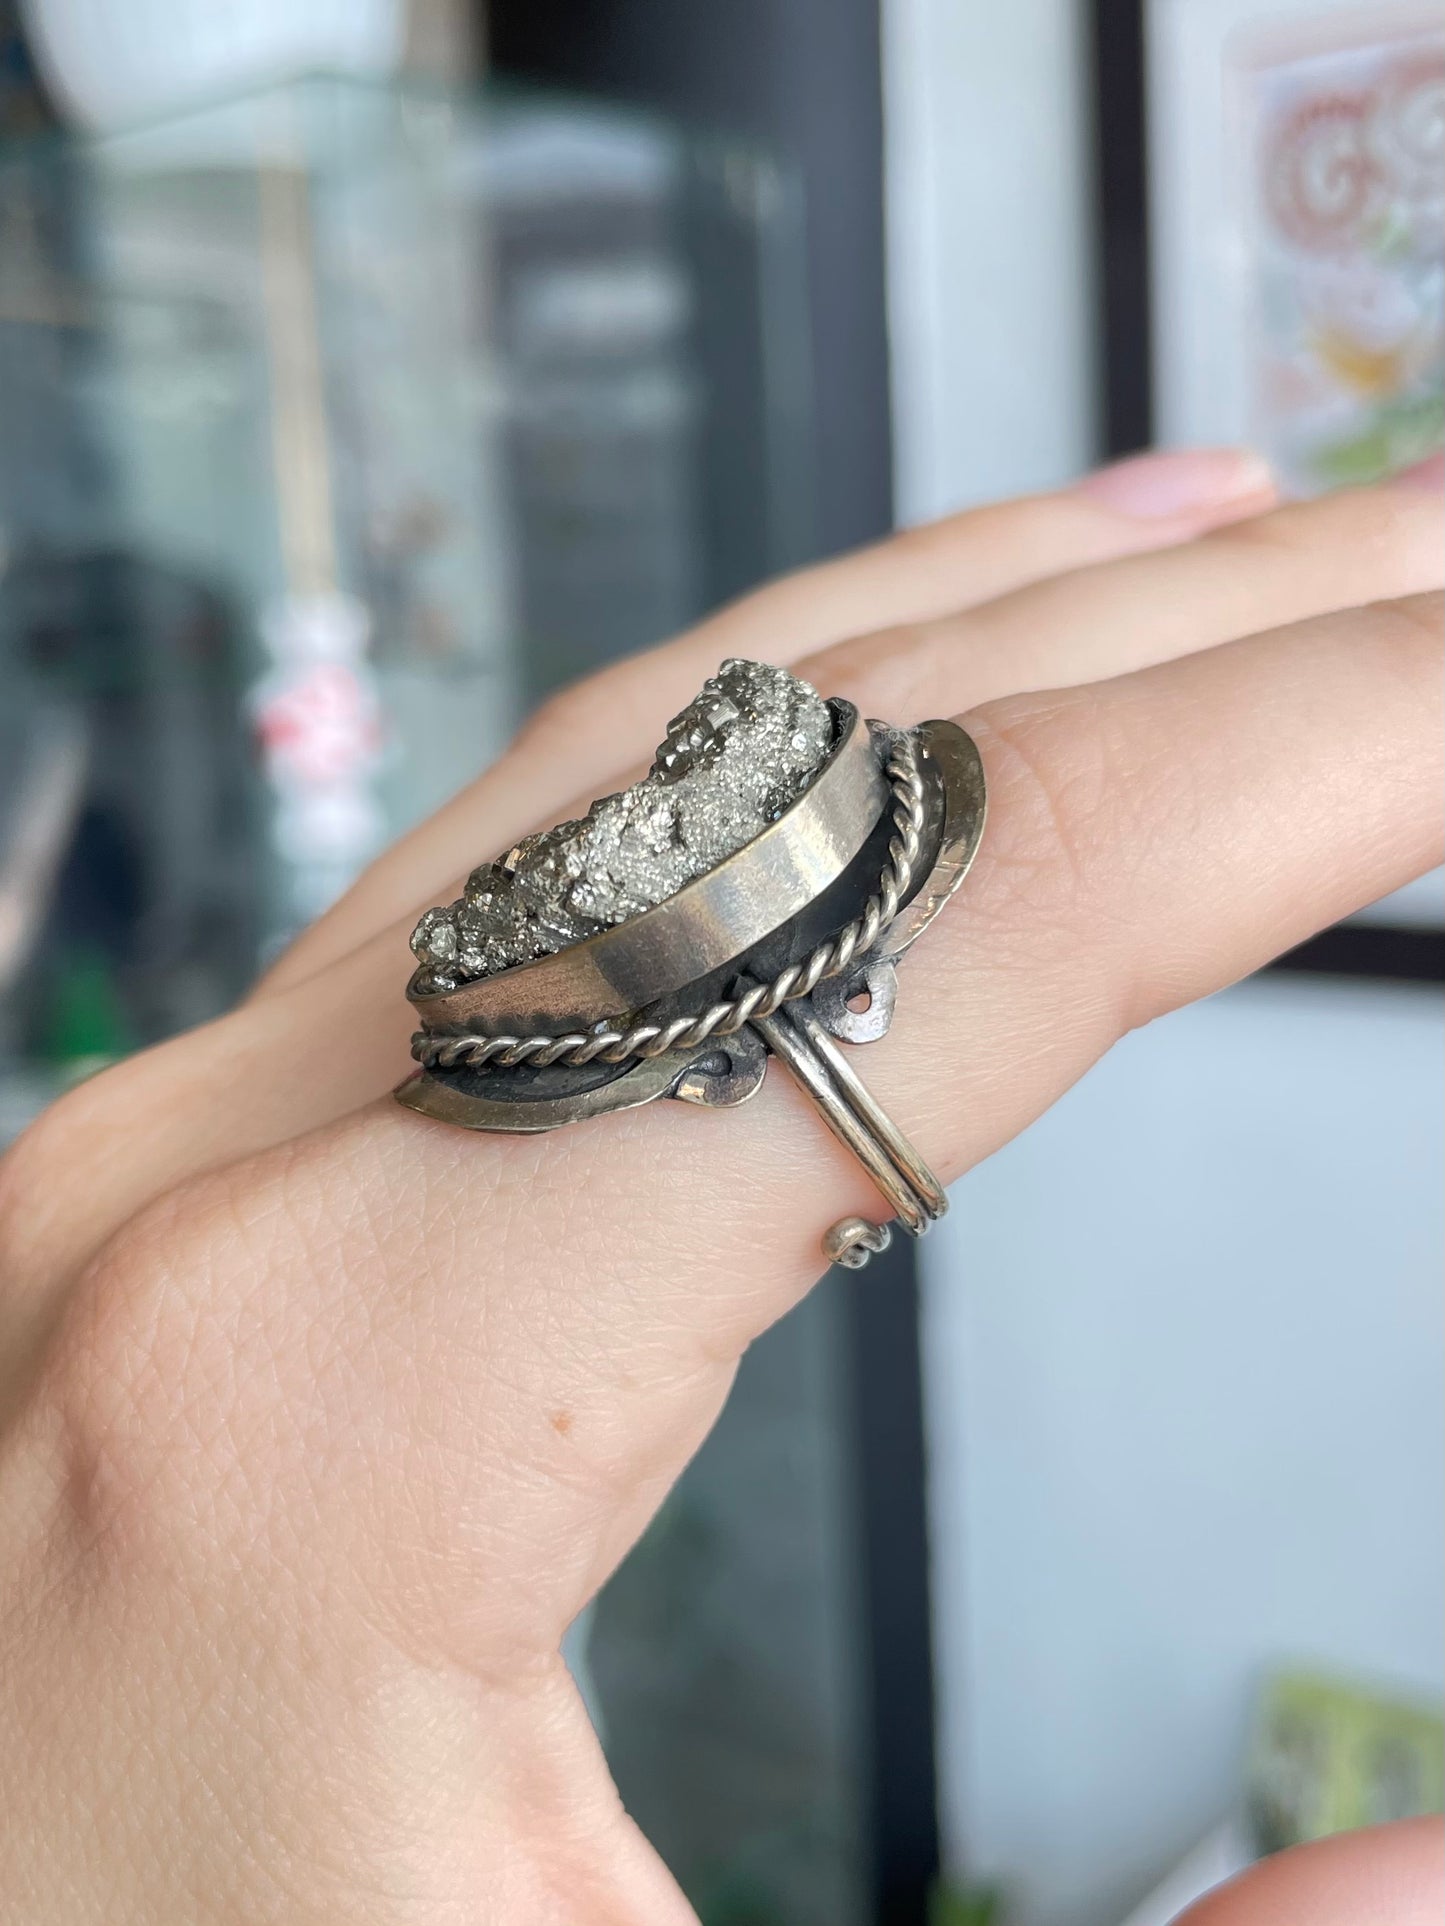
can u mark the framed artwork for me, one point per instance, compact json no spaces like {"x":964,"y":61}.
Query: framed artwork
{"x":1342,"y":208}
{"x":1272,"y":266}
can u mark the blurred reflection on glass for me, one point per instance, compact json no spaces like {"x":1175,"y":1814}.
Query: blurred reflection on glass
{"x":340,"y":423}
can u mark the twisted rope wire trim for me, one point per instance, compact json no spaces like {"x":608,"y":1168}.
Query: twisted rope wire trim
{"x":640,"y":1039}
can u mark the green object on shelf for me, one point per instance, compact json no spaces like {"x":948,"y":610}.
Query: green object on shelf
{"x":971,"y":1906}
{"x":737,"y":1900}
{"x":1400,"y":433}
{"x":1328,"y":1756}
{"x":85,"y":1024}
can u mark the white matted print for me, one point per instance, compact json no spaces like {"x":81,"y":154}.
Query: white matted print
{"x":1297,"y":173}
{"x":1342,"y":141}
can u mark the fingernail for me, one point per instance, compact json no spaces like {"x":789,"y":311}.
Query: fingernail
{"x":1179,"y":481}
{"x":1428,"y":474}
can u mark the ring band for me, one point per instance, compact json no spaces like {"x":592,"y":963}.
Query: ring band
{"x":751,"y":897}
{"x":855,"y":1118}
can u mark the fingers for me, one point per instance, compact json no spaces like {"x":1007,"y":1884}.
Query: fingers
{"x":1148,"y":501}
{"x":1357,"y":546}
{"x":521,"y":1340}
{"x":1392,"y":1875}
{"x":585,"y":738}
{"x":1091,"y":621}
{"x":325,"y":1043}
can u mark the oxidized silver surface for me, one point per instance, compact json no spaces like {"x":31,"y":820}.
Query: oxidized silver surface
{"x":765,"y":877}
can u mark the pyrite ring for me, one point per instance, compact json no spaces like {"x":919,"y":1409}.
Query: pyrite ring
{"x":750,"y":897}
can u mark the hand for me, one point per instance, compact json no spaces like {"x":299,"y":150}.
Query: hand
{"x":322,"y":1422}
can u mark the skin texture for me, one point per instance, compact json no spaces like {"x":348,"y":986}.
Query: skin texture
{"x":319,"y":1422}
{"x":1382,"y":1877}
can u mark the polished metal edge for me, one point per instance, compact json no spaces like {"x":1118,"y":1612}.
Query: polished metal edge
{"x":952,"y":755}
{"x":441,"y":1099}
{"x":708,"y":922}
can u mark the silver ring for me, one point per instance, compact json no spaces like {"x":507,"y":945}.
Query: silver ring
{"x":750,"y":897}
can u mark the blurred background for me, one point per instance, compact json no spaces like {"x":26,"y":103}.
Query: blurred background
{"x":368,"y":367}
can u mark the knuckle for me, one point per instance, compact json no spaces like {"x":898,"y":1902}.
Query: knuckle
{"x":553,"y":716}
{"x":1386,"y":535}
{"x":1049,"y":763}
{"x":1415,"y":622}
{"x":1082,"y":802}
{"x":875,"y":667}
{"x":206,"y":1349}
{"x":139,"y":1295}
{"x":1402,"y":635}
{"x":100,"y":1382}
{"x":145,"y":1373}
{"x":28,"y":1178}
{"x":927,"y":542}
{"x":563,"y":714}
{"x":21,"y":1200}
{"x":904,"y":672}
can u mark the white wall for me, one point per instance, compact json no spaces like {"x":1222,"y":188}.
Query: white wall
{"x":1183,"y":1357}
{"x":989,"y":248}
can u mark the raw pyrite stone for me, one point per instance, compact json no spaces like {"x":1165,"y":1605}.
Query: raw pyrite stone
{"x":741,"y":751}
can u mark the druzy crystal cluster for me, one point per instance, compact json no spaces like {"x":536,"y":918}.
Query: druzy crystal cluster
{"x":743,"y":749}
